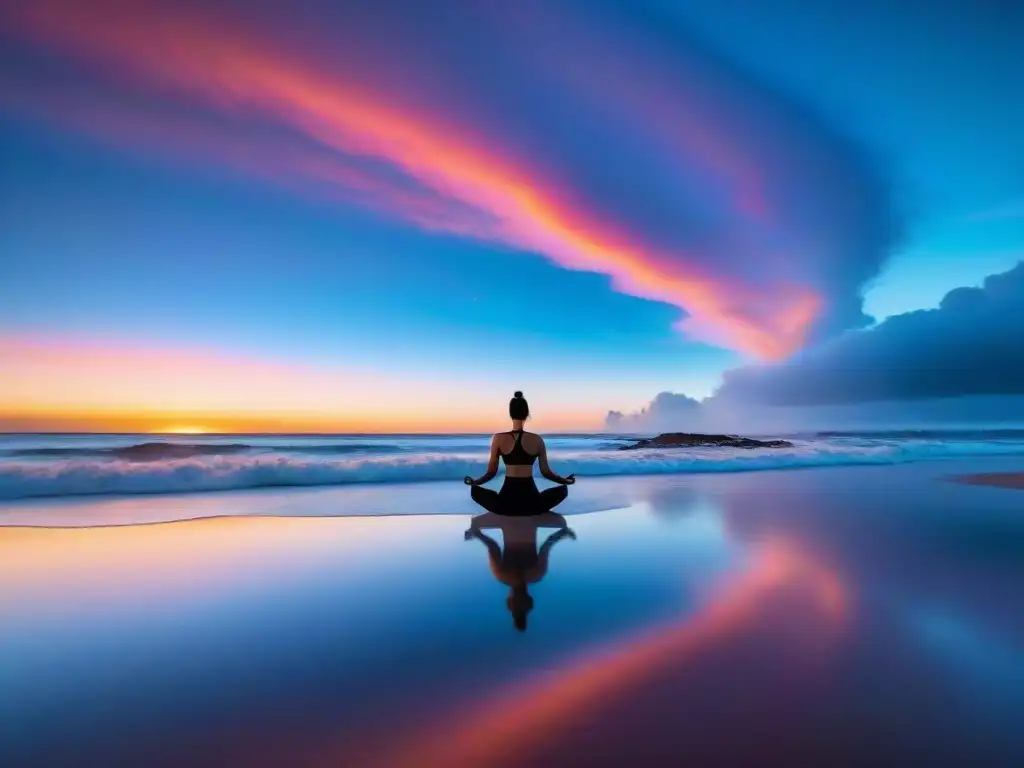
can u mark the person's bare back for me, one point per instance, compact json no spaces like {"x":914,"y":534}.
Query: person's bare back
{"x":518,"y":450}
{"x":531,"y":442}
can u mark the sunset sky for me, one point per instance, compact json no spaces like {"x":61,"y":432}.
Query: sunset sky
{"x":387,"y":216}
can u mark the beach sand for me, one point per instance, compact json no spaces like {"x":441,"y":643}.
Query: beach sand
{"x":839,"y":616}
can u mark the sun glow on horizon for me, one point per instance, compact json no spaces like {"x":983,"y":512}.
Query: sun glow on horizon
{"x":127,"y":386}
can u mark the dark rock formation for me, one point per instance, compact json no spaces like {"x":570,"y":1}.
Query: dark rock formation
{"x":687,"y":440}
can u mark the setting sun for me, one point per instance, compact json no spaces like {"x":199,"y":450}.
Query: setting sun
{"x":181,"y":430}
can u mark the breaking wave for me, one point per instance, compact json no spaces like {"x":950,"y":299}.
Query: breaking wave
{"x":160,"y":451}
{"x":224,"y":470}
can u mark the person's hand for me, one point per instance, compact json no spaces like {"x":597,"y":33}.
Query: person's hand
{"x":468,"y":480}
{"x":469,"y":534}
{"x":570,"y":480}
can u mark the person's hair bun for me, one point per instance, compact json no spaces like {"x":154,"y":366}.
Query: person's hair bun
{"x":518,"y":409}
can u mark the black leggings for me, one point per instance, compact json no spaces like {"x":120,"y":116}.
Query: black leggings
{"x":519,"y":497}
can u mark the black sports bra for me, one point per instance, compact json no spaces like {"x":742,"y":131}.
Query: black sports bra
{"x":518,"y":454}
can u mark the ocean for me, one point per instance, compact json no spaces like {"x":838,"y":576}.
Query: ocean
{"x":71,"y":465}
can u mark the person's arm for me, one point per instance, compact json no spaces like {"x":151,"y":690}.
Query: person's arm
{"x":545,"y":468}
{"x":540,"y":570}
{"x":492,"y":466}
{"x":554,"y":538}
{"x":493,"y":548}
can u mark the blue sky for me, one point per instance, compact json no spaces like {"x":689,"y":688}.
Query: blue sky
{"x":731,"y":210}
{"x":930,"y":90}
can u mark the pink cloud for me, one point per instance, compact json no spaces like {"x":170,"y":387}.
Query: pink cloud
{"x":462,"y":184}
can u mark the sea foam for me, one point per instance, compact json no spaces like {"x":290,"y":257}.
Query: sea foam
{"x":229,"y":470}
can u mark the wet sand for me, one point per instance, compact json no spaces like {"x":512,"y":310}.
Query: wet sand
{"x":828,"y":617}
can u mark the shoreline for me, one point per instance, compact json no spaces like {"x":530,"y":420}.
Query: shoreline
{"x":433,"y":498}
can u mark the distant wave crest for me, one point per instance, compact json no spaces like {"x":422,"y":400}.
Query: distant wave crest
{"x":200,"y":472}
{"x":928,"y":434}
{"x":162,"y":451}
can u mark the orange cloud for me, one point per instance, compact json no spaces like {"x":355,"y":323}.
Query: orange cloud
{"x":166,"y":47}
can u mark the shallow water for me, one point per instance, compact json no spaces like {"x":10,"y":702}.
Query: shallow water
{"x":864,"y":615}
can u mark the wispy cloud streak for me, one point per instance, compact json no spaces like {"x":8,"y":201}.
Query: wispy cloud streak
{"x":761,"y":292}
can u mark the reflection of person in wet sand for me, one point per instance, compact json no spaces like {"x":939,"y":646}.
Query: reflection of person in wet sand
{"x":519,"y":449}
{"x":521,"y":563}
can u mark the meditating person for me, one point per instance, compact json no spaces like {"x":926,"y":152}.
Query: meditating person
{"x":519,"y":450}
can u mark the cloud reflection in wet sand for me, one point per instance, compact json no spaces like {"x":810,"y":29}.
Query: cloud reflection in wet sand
{"x":505,"y":728}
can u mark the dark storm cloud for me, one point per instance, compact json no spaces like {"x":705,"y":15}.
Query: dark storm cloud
{"x":972,"y":344}
{"x":961,"y":362}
